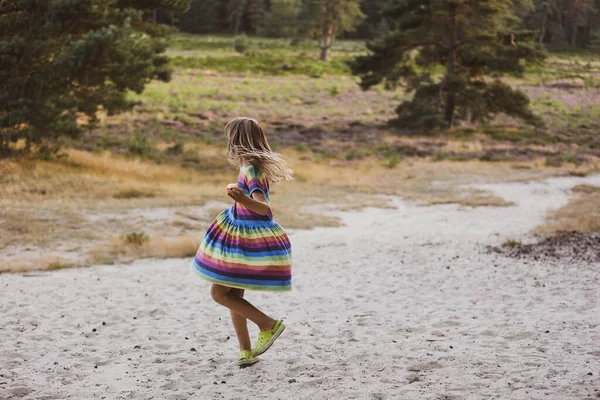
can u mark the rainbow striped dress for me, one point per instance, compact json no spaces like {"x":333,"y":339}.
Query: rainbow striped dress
{"x":243,"y":249}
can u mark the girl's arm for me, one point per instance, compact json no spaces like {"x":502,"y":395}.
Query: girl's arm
{"x":256,"y":203}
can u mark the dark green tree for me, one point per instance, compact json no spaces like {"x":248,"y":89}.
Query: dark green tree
{"x":64,"y":59}
{"x":565,"y":23}
{"x":204,"y":16}
{"x":235,"y":14}
{"x":374,"y":24}
{"x":325,"y":19}
{"x":281,"y":20}
{"x":256,"y":15}
{"x":474,"y":42}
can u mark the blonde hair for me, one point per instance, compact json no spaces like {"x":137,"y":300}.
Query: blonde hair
{"x":247,"y":142}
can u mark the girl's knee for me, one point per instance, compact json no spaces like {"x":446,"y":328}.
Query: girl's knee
{"x":218,"y":293}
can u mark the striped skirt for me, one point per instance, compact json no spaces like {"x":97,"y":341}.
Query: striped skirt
{"x":253,"y":255}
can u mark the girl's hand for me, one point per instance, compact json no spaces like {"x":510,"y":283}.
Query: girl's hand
{"x":237,"y":195}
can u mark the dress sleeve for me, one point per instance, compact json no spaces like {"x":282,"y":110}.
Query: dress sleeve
{"x":256,"y":181}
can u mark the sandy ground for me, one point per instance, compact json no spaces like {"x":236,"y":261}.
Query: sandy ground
{"x":401,"y":303}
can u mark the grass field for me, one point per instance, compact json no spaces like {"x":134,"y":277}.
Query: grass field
{"x":146,"y":183}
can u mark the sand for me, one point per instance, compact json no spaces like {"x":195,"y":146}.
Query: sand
{"x":401,"y":303}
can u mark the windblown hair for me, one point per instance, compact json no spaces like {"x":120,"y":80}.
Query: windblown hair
{"x":247,"y":143}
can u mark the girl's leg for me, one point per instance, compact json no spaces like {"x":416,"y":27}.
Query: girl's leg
{"x":223,"y":295}
{"x":240,"y":324}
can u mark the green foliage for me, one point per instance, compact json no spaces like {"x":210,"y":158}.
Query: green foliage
{"x":139,"y":146}
{"x":334,"y":90}
{"x":316,"y":71}
{"x":565,"y":23}
{"x":355,"y":154}
{"x":268,"y":63}
{"x":558,"y":160}
{"x":204,"y":16}
{"x":302,"y":148}
{"x":241,"y":43}
{"x":281,"y":20}
{"x":392,"y":160}
{"x":61,"y":59}
{"x":474,"y":42}
{"x":324,"y":19}
{"x":176,"y":149}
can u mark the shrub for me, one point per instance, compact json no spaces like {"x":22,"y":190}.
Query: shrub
{"x":140,"y":146}
{"x":316,"y":71}
{"x":393,"y":160}
{"x":241,"y":43}
{"x":135,"y":238}
{"x":511,"y":243}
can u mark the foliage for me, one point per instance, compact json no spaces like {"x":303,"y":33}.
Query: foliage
{"x":204,"y":16}
{"x":565,"y":22}
{"x":325,"y":19}
{"x":473,"y":43}
{"x":281,"y":20}
{"x":65,"y":59}
{"x":241,"y":43}
{"x":267,"y":64}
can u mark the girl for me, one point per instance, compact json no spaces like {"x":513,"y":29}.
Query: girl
{"x":244,"y":248}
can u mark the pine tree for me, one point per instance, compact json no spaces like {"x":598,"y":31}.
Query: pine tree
{"x":565,"y":23}
{"x":475,"y":42}
{"x":204,"y":16}
{"x":325,"y":19}
{"x":374,"y":24}
{"x":256,"y":15}
{"x":281,"y":20}
{"x":235,"y":12}
{"x":63,"y":59}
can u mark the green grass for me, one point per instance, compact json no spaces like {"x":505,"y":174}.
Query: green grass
{"x":225,"y":43}
{"x":266,"y":63}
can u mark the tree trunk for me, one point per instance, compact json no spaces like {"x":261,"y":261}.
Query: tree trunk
{"x":154,"y":12}
{"x":324,"y":51}
{"x":543,"y":29}
{"x":450,"y":95}
{"x":326,"y":40}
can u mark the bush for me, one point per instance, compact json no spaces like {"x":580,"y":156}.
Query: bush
{"x":135,"y":238}
{"x":176,"y":149}
{"x":393,"y":160}
{"x":241,"y":43}
{"x":140,"y":146}
{"x":334,"y":90}
{"x":316,"y":71}
{"x":302,"y":148}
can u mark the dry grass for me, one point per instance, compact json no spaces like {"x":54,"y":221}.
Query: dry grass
{"x":120,"y":249}
{"x":581,"y":214}
{"x":473,"y":200}
{"x":86,"y":199}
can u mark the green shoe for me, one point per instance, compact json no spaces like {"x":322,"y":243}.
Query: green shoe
{"x":267,"y":338}
{"x":246,"y":359}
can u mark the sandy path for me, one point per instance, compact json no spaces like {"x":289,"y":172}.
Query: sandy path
{"x":400,"y":303}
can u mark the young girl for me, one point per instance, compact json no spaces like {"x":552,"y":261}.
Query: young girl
{"x":244,"y":248}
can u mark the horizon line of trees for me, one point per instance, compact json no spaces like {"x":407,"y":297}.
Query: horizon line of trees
{"x":559,"y":23}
